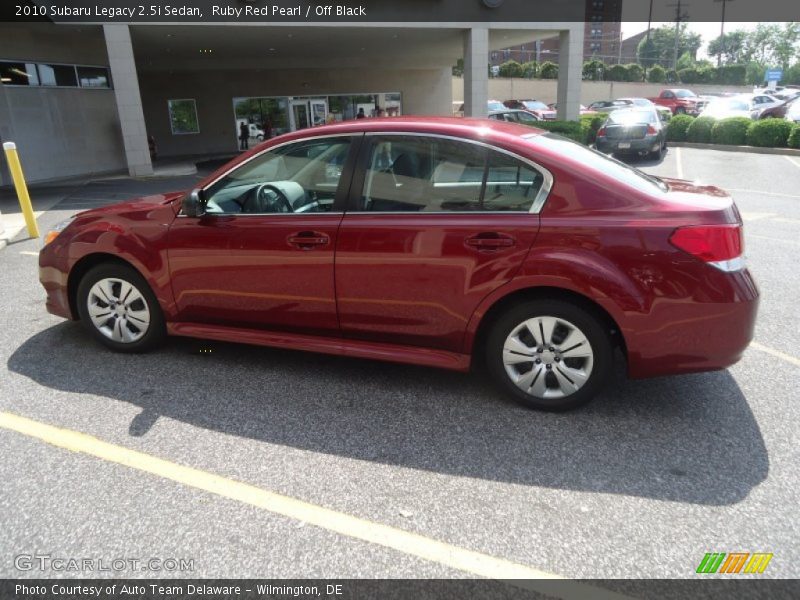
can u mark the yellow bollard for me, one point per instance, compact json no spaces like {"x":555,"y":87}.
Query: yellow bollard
{"x":22,"y":189}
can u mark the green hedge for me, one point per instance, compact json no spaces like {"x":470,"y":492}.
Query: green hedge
{"x":794,"y":137}
{"x":573,"y":130}
{"x":769,"y":133}
{"x":731,"y":131}
{"x":699,"y":130}
{"x":677,"y":126}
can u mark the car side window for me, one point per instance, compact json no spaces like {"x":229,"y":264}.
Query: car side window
{"x":527,"y":118}
{"x":511,"y":185}
{"x":668,"y":95}
{"x":296,"y":178}
{"x":420,"y":174}
{"x":423,"y":174}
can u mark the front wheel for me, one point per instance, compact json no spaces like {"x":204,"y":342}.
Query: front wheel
{"x":549,"y":354}
{"x":119,"y":309}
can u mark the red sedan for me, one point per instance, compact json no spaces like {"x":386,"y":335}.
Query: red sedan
{"x":431,"y":241}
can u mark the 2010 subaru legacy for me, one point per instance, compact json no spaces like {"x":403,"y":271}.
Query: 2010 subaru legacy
{"x":430,"y":241}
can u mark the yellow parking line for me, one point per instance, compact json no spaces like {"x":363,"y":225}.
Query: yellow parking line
{"x":476,"y":563}
{"x":777,"y":353}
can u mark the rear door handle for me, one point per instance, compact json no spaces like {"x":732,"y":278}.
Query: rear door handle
{"x":490,"y":241}
{"x":308,"y":239}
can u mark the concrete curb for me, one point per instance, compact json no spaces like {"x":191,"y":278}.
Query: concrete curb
{"x":752,"y":149}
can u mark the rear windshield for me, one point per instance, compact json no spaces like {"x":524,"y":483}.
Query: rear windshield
{"x":685,"y":94}
{"x":600,"y":162}
{"x":632,"y":116}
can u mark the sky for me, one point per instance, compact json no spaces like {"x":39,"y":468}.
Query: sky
{"x":708,"y":30}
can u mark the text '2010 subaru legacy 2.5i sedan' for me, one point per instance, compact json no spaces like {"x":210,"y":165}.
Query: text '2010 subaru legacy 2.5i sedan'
{"x":430,"y":241}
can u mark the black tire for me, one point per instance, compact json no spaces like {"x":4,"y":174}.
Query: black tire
{"x":143,"y":337}
{"x":656,"y":154}
{"x":565,"y":314}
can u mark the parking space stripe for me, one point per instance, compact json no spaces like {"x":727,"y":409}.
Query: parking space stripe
{"x":413,"y":544}
{"x":771,"y":239}
{"x":679,"y":162}
{"x":793,"y":161}
{"x":777,"y":353}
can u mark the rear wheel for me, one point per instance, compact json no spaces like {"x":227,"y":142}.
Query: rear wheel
{"x":119,"y":309}
{"x":549,"y":354}
{"x":657,"y":154}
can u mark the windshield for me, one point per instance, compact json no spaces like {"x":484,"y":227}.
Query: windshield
{"x":600,"y":162}
{"x":494,"y":105}
{"x":685,"y":94}
{"x":641,"y":101}
{"x":534,"y":105}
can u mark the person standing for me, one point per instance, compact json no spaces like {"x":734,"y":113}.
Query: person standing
{"x":244,"y":135}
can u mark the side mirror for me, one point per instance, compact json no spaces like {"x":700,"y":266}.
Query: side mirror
{"x":194,"y":204}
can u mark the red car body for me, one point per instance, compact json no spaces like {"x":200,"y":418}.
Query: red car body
{"x":540,"y":109}
{"x":412,"y":287}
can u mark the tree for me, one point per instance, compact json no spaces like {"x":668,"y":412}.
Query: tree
{"x":548,"y":70}
{"x":647,"y":53}
{"x":458,"y":69}
{"x":686,"y":61}
{"x":771,"y":44}
{"x":511,"y":68}
{"x":617,"y":73}
{"x":594,"y":70}
{"x":727,"y":48}
{"x":663,"y":39}
{"x":635,"y":72}
{"x":530,"y":69}
{"x":656,"y":74}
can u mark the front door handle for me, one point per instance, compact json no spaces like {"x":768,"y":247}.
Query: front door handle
{"x":306,"y":240}
{"x":490,"y":240}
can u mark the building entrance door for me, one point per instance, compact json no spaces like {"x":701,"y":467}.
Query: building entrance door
{"x":308,"y":113}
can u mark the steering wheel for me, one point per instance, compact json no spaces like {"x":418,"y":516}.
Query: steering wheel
{"x":280,"y":202}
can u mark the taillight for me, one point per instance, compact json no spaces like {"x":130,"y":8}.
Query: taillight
{"x":651,"y":130}
{"x":601,"y":132}
{"x":721,"y":246}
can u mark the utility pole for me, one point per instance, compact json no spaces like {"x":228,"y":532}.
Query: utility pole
{"x":722,"y":32}
{"x":680,"y":16}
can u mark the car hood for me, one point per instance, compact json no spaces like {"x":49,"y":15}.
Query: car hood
{"x":142,"y":204}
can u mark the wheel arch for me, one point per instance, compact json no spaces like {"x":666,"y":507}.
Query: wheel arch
{"x":526,"y":294}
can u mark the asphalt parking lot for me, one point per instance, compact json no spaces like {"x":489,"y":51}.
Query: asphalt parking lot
{"x":640,"y":484}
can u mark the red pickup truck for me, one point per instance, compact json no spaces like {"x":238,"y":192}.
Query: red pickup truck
{"x":680,"y":101}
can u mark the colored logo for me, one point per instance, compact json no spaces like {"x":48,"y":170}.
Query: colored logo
{"x":734,"y":562}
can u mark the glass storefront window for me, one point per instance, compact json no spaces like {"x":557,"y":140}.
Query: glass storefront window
{"x":94,"y":77}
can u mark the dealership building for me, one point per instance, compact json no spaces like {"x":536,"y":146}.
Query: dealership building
{"x":90,"y":98}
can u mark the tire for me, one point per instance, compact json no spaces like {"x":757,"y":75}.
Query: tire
{"x":657,"y":154}
{"x":134,"y":325}
{"x":557,"y":387}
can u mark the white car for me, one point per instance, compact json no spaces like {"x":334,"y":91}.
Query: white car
{"x":793,"y":113}
{"x":744,"y":105}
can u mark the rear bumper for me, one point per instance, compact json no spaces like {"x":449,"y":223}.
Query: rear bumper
{"x":648,"y":144}
{"x":689,"y":337}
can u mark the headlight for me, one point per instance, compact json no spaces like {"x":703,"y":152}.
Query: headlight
{"x":53,"y":232}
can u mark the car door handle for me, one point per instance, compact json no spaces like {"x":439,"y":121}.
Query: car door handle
{"x":490,"y":241}
{"x":308,"y":239}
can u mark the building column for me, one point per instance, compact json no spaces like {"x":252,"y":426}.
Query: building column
{"x":476,"y":72}
{"x":570,"y":70}
{"x":129,"y":99}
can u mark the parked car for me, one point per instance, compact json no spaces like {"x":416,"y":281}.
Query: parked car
{"x":743,"y":105}
{"x":441,"y":242}
{"x":491,"y":105}
{"x":607,"y":106}
{"x":680,"y":101}
{"x":582,"y":109}
{"x":779,"y":111}
{"x":515,"y":116}
{"x":663,"y":111}
{"x":540,"y":109}
{"x":637,"y":130}
{"x":793,"y":112}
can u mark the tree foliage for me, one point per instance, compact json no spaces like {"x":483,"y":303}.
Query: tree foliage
{"x":728,"y":47}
